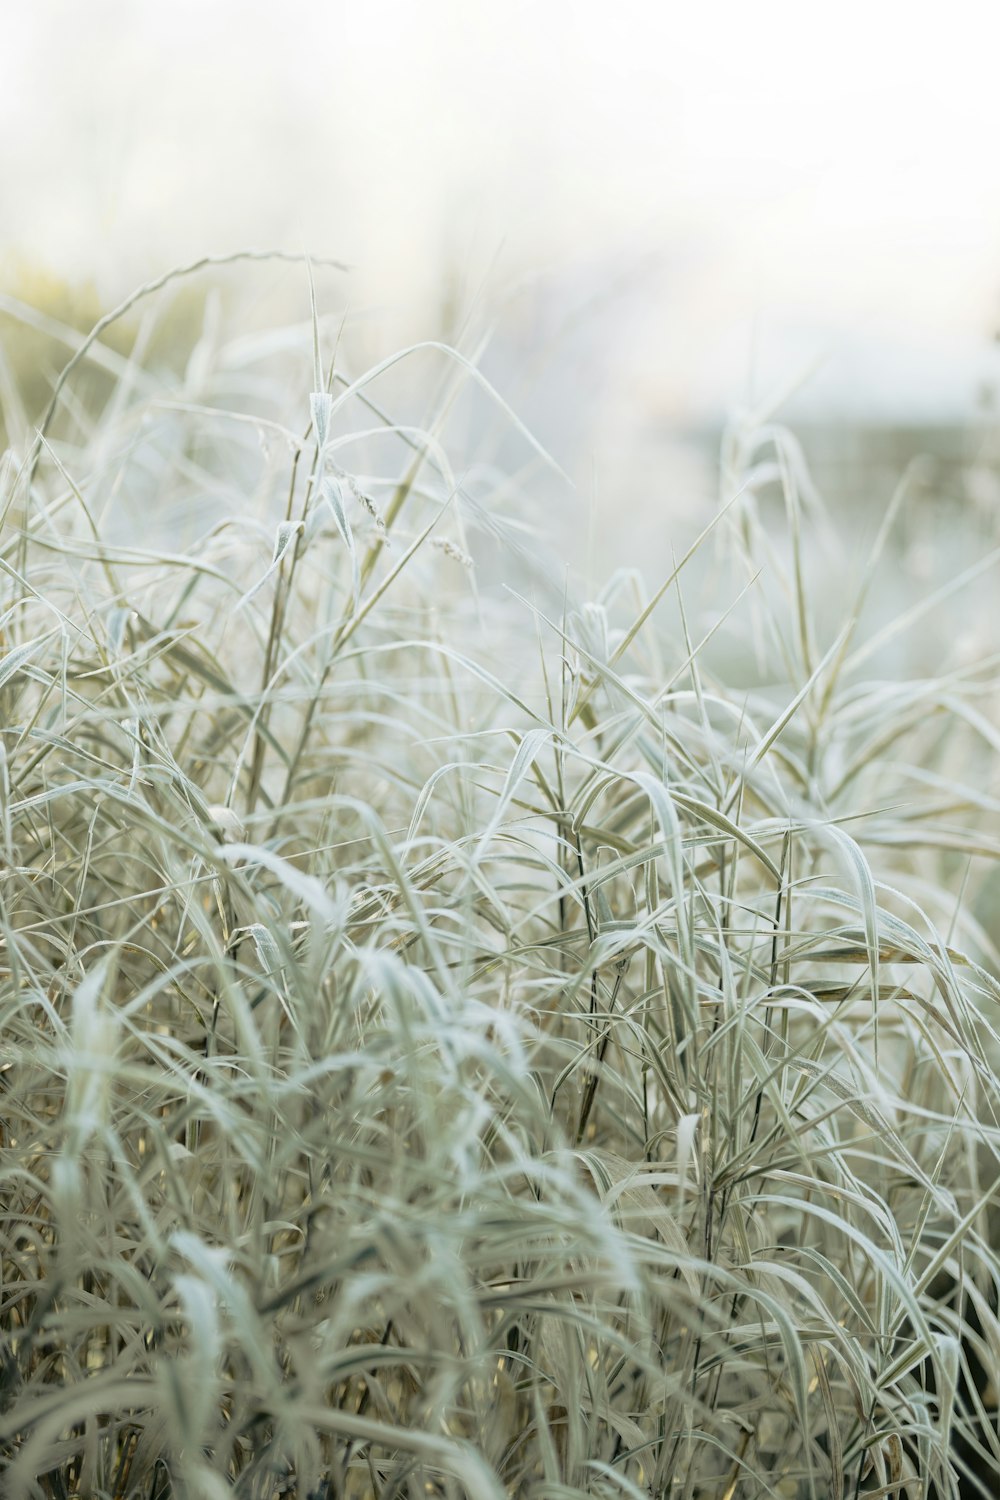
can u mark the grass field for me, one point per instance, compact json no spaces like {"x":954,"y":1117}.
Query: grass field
{"x":460,"y":1041}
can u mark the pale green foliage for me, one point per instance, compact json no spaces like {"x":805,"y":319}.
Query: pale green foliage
{"x":459,"y":1046}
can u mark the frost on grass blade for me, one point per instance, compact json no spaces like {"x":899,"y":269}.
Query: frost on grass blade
{"x":334,"y":496}
{"x":116,"y":625}
{"x":197,"y":1392}
{"x":321,"y":406}
{"x":16,"y":659}
{"x":284,"y":541}
{"x":527,"y":752}
{"x":267,"y":949}
{"x":93,"y":1044}
{"x":305,"y":888}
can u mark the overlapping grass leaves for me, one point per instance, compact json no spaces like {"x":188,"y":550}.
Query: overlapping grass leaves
{"x":453,"y":1046}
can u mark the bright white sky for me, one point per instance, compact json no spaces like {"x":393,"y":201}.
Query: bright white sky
{"x":822,"y":169}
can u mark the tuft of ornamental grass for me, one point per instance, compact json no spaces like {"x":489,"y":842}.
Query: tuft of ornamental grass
{"x":458,"y":1043}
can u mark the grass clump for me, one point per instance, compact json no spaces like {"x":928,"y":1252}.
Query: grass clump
{"x":457,"y":1045}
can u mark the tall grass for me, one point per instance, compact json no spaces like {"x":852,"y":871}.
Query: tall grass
{"x":457,"y":1043}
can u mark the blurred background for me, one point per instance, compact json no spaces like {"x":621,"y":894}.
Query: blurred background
{"x":663,"y":215}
